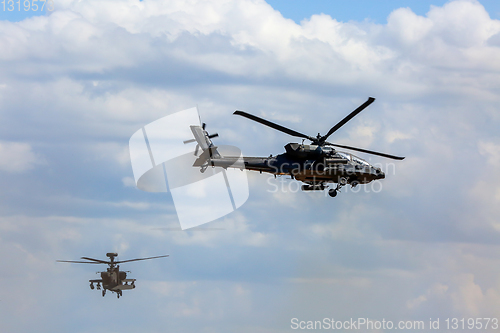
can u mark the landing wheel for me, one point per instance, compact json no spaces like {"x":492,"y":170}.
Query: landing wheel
{"x":103,"y":292}
{"x":92,"y":286}
{"x":332,"y":193}
{"x":117,"y":295}
{"x":354,"y":183}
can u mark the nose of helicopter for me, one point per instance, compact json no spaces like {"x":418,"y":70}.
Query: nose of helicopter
{"x":380,"y":173}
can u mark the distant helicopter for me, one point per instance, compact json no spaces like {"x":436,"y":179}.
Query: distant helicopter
{"x":316,"y":164}
{"x":113,"y":279}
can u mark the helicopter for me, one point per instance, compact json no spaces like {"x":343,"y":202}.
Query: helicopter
{"x":316,"y":164}
{"x":112,"y":279}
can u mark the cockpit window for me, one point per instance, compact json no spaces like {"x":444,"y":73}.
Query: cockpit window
{"x":344,"y":155}
{"x":360,"y":161}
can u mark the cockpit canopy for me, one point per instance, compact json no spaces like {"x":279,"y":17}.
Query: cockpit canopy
{"x":353,"y":158}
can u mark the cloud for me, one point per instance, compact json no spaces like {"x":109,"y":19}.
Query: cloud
{"x":77,"y":83}
{"x":220,"y":39}
{"x":18,"y":157}
{"x":491,"y":151}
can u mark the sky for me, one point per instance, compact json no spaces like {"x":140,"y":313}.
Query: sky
{"x":78,"y":81}
{"x":361,"y":10}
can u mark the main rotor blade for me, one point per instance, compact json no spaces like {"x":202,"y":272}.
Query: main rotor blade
{"x":97,"y":260}
{"x":366,"y":151}
{"x":272,"y":125}
{"x":348,"y":117}
{"x":79,"y":262}
{"x":118,"y":262}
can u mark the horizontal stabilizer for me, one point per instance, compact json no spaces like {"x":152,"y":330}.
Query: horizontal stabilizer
{"x":205,"y":156}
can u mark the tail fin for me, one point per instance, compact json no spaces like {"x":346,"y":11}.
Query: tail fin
{"x":209,"y":149}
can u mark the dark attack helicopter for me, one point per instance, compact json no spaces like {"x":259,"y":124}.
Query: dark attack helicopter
{"x":315,"y":164}
{"x":113,"y":279}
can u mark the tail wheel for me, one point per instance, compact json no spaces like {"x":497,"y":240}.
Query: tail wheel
{"x":103,"y":292}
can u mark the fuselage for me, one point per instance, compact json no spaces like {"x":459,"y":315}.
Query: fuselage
{"x":114,"y":279}
{"x":311,"y":164}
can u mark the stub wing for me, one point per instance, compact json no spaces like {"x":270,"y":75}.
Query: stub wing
{"x":125,"y":285}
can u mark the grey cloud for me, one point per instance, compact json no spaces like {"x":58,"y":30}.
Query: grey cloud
{"x":76,"y":84}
